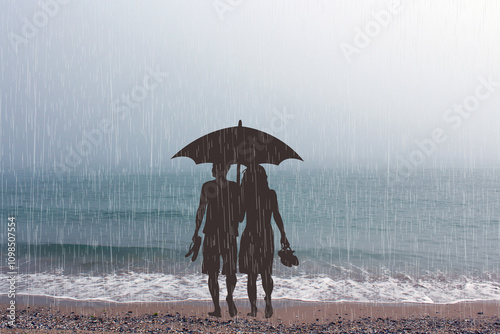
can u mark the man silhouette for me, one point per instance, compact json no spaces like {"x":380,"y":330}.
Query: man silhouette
{"x":221,"y":199}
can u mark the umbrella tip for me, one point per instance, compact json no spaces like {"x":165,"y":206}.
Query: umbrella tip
{"x":240,"y":124}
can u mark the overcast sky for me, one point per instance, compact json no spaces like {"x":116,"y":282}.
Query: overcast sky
{"x":126,"y":84}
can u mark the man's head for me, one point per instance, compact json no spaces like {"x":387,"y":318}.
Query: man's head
{"x":220,"y":169}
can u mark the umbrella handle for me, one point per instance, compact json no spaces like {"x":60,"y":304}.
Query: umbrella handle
{"x":238,"y":174}
{"x":240,"y":125}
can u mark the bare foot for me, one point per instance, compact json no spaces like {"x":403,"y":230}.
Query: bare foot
{"x":253,"y":312}
{"x":232,"y":307}
{"x":215,"y":313}
{"x":269,"y":309}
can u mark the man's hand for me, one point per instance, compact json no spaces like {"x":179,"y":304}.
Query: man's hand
{"x":195,"y":236}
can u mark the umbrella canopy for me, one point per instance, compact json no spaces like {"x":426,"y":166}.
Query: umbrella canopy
{"x":238,"y":145}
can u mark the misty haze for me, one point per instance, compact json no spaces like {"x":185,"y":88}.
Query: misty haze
{"x":393,"y":106}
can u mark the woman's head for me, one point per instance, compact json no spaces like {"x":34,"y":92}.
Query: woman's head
{"x":260,"y":175}
{"x":257,"y":176}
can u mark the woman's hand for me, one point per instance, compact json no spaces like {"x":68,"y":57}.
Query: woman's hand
{"x":284,"y":240}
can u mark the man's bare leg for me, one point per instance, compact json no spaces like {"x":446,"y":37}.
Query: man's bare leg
{"x":231,"y":284}
{"x":252,"y":294}
{"x":268,"y":284}
{"x":213,"y":286}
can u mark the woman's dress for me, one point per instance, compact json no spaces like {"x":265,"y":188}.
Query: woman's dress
{"x":257,"y":240}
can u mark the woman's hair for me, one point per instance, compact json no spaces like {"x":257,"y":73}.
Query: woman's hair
{"x":255,"y":175}
{"x":254,"y":184}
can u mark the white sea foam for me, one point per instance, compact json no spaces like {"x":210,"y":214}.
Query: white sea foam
{"x":132,"y":286}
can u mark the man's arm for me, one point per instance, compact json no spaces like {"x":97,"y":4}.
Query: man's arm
{"x":201,"y":211}
{"x":278,"y":219}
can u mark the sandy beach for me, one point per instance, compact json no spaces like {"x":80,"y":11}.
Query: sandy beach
{"x":52,"y":315}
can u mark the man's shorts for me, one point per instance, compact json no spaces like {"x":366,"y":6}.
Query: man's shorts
{"x":213,"y":248}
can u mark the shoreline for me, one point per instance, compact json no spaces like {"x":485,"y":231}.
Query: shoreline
{"x":50,"y":313}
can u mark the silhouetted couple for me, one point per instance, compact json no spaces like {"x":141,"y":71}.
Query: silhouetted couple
{"x":226,"y":205}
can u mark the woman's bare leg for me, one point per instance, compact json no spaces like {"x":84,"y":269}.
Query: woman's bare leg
{"x":231,"y":284}
{"x":252,"y":294}
{"x":268,"y":284}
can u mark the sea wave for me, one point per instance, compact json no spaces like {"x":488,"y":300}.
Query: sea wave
{"x":147,"y":287}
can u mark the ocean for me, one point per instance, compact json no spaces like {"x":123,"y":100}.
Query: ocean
{"x":432,"y":237}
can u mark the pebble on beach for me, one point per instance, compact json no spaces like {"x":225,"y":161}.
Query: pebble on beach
{"x":33,"y":320}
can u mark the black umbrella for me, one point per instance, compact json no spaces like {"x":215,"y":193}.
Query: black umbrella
{"x":238,"y":145}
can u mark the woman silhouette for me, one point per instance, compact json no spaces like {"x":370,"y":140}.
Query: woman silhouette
{"x":257,"y":240}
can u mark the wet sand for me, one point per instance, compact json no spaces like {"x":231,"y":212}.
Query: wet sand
{"x":53,"y":315}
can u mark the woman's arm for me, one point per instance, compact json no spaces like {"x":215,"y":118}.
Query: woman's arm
{"x":278,"y":219}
